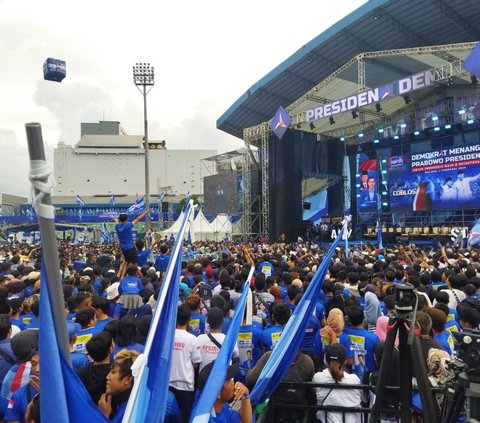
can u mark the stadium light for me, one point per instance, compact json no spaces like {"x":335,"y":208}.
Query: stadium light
{"x":403,"y":125}
{"x":416,"y":133}
{"x":436,"y":129}
{"x":342,"y":139}
{"x":448,"y":126}
{"x":143,"y":77}
{"x":360,"y":135}
{"x":396,"y":137}
{"x":380,"y":130}
{"x":462,"y":111}
{"x":470,"y":121}
{"x":376,"y":141}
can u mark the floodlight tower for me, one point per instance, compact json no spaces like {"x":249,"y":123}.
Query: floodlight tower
{"x":144,"y":79}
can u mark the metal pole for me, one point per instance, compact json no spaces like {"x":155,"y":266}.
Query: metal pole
{"x":147,"y":173}
{"x":49,"y":245}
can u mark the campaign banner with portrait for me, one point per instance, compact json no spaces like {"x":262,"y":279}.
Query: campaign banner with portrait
{"x":442,"y":179}
{"x":367,"y":184}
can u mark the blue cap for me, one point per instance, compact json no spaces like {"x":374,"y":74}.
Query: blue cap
{"x":72,"y":329}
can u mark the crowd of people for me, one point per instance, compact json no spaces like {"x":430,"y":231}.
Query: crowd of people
{"x":110,"y":292}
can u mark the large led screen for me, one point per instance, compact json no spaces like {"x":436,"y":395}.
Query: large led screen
{"x":440,"y":179}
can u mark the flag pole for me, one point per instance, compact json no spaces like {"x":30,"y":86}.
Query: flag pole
{"x":42,"y":182}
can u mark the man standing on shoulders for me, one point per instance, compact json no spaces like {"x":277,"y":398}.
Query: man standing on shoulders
{"x":125,"y":238}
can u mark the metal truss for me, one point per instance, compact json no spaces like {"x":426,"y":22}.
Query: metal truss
{"x":265,"y":194}
{"x":250,"y":193}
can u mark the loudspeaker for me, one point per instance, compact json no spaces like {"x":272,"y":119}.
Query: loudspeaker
{"x":307,"y":205}
{"x":164,"y":207}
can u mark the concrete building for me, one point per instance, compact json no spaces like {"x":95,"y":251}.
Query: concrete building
{"x":107,"y":161}
{"x":10,"y":204}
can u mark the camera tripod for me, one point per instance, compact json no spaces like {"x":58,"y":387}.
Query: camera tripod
{"x":466,"y":388}
{"x":411,"y":360}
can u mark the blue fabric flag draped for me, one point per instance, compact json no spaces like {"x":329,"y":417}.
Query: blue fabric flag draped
{"x":64,"y":398}
{"x":148,"y":400}
{"x":472,"y":62}
{"x":203,"y":408}
{"x":292,"y":336}
{"x":138,"y":206}
{"x":79,"y":201}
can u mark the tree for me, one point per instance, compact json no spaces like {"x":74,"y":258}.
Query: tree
{"x":182,"y":203}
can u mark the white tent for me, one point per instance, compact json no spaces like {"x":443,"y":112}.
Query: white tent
{"x":202,"y":229}
{"x":222,"y":227}
{"x":173,"y":230}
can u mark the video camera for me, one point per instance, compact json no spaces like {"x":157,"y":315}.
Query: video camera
{"x":468,"y":347}
{"x":404,"y":297}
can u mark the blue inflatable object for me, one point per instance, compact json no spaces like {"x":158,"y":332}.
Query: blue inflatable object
{"x":54,"y":70}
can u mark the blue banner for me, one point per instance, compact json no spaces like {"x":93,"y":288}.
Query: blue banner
{"x":367,"y":183}
{"x":440,"y":179}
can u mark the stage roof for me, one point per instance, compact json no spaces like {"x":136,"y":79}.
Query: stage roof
{"x":375,"y":26}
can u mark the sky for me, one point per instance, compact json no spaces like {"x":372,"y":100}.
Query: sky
{"x":206,"y":54}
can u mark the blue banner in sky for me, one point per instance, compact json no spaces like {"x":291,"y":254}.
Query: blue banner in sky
{"x":442,"y":179}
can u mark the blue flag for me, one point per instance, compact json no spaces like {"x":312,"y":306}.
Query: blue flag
{"x":472,"y":62}
{"x":104,"y":233}
{"x":148,"y":400}
{"x":161,"y":197}
{"x":203,"y":407}
{"x":64,"y":397}
{"x":79,"y":201}
{"x":112,"y":200}
{"x":138,"y":206}
{"x":292,"y":336}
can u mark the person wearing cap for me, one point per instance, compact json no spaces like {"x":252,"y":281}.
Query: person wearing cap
{"x":78,"y":359}
{"x":230,"y":393}
{"x":335,"y":356}
{"x":124,"y":233}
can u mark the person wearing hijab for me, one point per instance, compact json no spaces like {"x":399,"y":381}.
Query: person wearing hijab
{"x":381,"y":329}
{"x":333,"y":333}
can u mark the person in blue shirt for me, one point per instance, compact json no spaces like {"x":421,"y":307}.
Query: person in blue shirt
{"x":333,"y":333}
{"x":113,"y":402}
{"x":130,"y":288}
{"x":363,"y":342}
{"x":125,"y":237}
{"x":142,"y":252}
{"x":196,"y":325}
{"x":442,"y":336}
{"x":101,"y":306}
{"x":266,"y":267}
{"x":16,"y":305}
{"x":7,"y":357}
{"x":231,"y":393}
{"x":78,"y":359}
{"x":126,"y":335}
{"x":85,"y":318}
{"x":280,"y":315}
{"x":17,"y":406}
{"x":35,"y":322}
{"x":161,"y":261}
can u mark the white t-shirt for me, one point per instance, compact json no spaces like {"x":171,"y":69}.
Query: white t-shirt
{"x":209,"y":351}
{"x":185,"y":352}
{"x":338,"y":397}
